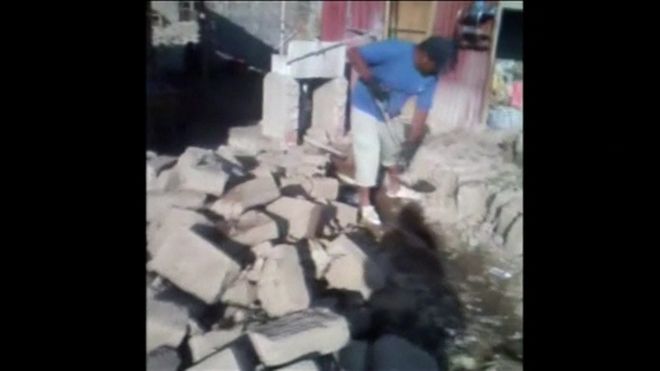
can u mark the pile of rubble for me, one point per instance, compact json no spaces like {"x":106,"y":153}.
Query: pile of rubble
{"x":254,"y":263}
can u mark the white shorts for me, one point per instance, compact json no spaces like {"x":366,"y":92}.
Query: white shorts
{"x":374,"y":145}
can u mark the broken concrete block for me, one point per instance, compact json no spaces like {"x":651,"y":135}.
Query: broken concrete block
{"x":280,"y":105}
{"x":167,"y":180}
{"x":253,"y":228}
{"x":159,"y":203}
{"x":194,"y":265}
{"x":394,"y":353}
{"x":166,"y":322}
{"x":513,"y":241}
{"x":255,"y":192}
{"x":174,"y":221}
{"x":204,"y":345}
{"x":160,"y":163}
{"x":240,"y":293}
{"x":282,"y":287}
{"x":311,"y":331}
{"x":354,"y":356}
{"x":471,"y":202}
{"x":248,"y":139}
{"x":235,"y":357}
{"x":324,"y":188}
{"x":352,"y":269}
{"x":163,"y":359}
{"x":345,"y":214}
{"x":320,"y":258}
{"x":210,"y":178}
{"x":329,"y":110}
{"x":303,"y":217}
{"x":507,"y":214}
{"x":192,"y":156}
{"x":151,"y":178}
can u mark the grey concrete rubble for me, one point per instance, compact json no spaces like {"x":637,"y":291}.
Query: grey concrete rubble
{"x":345,"y":214}
{"x":352,"y":269}
{"x":289,"y":338}
{"x":235,"y":357}
{"x":209,"y":179}
{"x":303,"y":217}
{"x":255,"y":192}
{"x":204,"y":345}
{"x":253,"y":228}
{"x":195,"y":265}
{"x":159,"y":202}
{"x":174,"y":221}
{"x":282,"y":288}
{"x":280,"y":110}
{"x":163,"y":359}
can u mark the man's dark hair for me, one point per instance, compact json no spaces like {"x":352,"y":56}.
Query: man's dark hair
{"x":444,"y":52}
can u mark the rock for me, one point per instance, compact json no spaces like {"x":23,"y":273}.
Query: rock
{"x":159,"y":203}
{"x":166,"y":322}
{"x":248,"y":139}
{"x":254,"y":228}
{"x":303,"y":217}
{"x":240,"y":293}
{"x":324,"y":188}
{"x":167,"y":180}
{"x":204,"y":345}
{"x":195,"y":265}
{"x":174,"y":221}
{"x":311,"y":331}
{"x":513,"y":242}
{"x":163,"y":359}
{"x":507,"y":214}
{"x":255,"y":192}
{"x":193,"y":156}
{"x":209,"y":179}
{"x":151,"y":178}
{"x":282,"y":288}
{"x":296,"y":185}
{"x":394,"y":353}
{"x":320,"y":258}
{"x":352,"y":269}
{"x":471,"y":202}
{"x":280,"y":105}
{"x":160,"y":163}
{"x":237,"y":357}
{"x":354,"y":356}
{"x":345,"y":214}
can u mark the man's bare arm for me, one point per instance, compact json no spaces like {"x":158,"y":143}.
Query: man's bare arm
{"x":359,"y":64}
{"x":418,"y":126}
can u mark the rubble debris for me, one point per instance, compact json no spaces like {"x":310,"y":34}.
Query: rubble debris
{"x":174,"y":220}
{"x":304,"y":365}
{"x":282,"y":288}
{"x":253,"y":228}
{"x":248,"y":139}
{"x":240,"y":293}
{"x":472,"y":198}
{"x":204,"y":345}
{"x":209,"y":178}
{"x":394,"y":353}
{"x":255,"y":192}
{"x":507,"y":214}
{"x":167,"y":319}
{"x":311,"y":331}
{"x":236,"y":357}
{"x":280,"y":105}
{"x":514,"y":237}
{"x":320,"y":258}
{"x":303,"y":216}
{"x":354,"y":356}
{"x":324,"y":188}
{"x":159,"y":203}
{"x":352,"y":269}
{"x":163,"y":359}
{"x":345,"y":214}
{"x":195,"y":265}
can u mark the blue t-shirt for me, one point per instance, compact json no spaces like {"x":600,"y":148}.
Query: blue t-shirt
{"x":392,"y":64}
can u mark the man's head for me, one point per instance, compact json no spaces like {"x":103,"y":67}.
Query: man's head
{"x":435,"y":55}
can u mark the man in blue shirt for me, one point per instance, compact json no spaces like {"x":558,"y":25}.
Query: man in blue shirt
{"x":391,"y":72}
